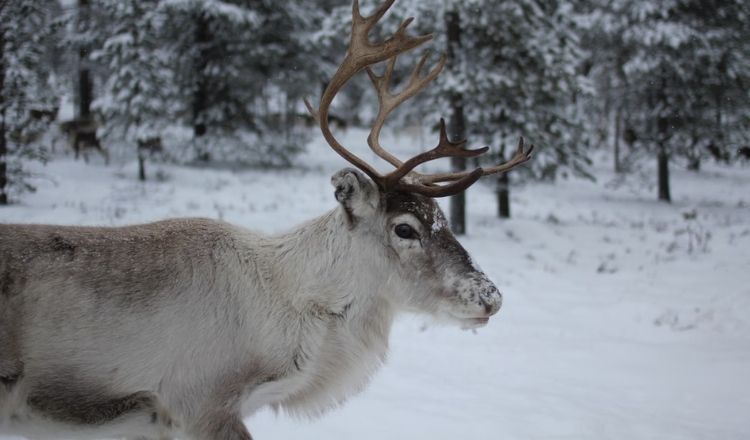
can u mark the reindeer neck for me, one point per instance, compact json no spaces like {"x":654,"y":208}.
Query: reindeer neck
{"x":324,"y":263}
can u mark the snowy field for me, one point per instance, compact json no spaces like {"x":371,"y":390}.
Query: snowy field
{"x":623,"y":318}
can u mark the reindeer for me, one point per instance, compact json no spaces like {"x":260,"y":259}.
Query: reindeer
{"x":82,"y":136}
{"x":148,"y":148}
{"x":183,"y":327}
{"x":719,"y":153}
{"x":33,"y":126}
{"x":743,"y":153}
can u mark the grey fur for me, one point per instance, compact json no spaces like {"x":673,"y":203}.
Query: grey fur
{"x":183,"y":327}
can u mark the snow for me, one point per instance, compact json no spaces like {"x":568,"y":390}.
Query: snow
{"x":611,"y":326}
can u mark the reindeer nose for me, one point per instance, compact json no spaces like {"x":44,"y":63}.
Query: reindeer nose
{"x":492,"y":300}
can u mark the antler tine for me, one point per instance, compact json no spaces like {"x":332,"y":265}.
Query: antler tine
{"x":442,"y":190}
{"x":520,"y":156}
{"x":362,"y":53}
{"x":388,"y":101}
{"x":444,"y":148}
{"x":381,"y":84}
{"x":374,"y":17}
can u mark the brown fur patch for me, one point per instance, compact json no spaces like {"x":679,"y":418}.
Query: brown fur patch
{"x":222,"y":426}
{"x":60,"y":244}
{"x":440,"y":241}
{"x":423,"y":208}
{"x":129,"y":265}
{"x":12,"y":275}
{"x":69,"y":402}
{"x":9,"y":380}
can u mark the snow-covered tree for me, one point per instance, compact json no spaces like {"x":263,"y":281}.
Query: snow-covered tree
{"x":519,"y":77}
{"x":240,"y":68}
{"x":27,"y":103}
{"x":326,"y":44}
{"x":137,"y":101}
{"x":517,"y":73}
{"x":676,"y":74}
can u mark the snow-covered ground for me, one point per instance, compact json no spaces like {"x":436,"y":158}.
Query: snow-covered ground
{"x":623,"y":318}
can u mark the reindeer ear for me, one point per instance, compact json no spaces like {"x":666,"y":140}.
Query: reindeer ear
{"x":357,"y":194}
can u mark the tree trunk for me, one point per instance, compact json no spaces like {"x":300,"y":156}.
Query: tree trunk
{"x":3,"y":162}
{"x":456,"y":131}
{"x":456,"y":125}
{"x":3,"y":144}
{"x":694,"y":164}
{"x":141,"y":168}
{"x":694,"y":156}
{"x":503,"y":195}
{"x":85,"y":92}
{"x":618,"y":135}
{"x":662,"y":122}
{"x":85,"y":86}
{"x":663,"y":162}
{"x":200,"y":96}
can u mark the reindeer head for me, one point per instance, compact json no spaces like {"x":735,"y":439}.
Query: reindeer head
{"x":436,"y":273}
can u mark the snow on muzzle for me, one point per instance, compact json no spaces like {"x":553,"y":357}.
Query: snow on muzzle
{"x":474,"y":298}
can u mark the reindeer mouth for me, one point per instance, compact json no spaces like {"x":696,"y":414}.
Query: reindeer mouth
{"x":472,"y":323}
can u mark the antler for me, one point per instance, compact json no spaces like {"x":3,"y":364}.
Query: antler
{"x":388,"y":102}
{"x":361,"y":55}
{"x":520,"y":156}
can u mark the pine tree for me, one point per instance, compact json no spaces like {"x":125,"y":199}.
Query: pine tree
{"x":518,"y":75}
{"x":676,"y":74}
{"x":325,"y":44}
{"x":241,"y":66}
{"x":457,"y":124}
{"x":85,"y":95}
{"x":24,"y":92}
{"x":137,"y":101}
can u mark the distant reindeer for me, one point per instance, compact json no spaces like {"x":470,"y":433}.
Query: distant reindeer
{"x":34,"y":125}
{"x":183,"y":327}
{"x":717,"y":152}
{"x":743,"y":153}
{"x":148,"y":148}
{"x":44,"y":114}
{"x":82,"y":137}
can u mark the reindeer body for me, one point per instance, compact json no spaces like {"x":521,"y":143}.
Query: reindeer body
{"x":184,"y":327}
{"x":206,"y":317}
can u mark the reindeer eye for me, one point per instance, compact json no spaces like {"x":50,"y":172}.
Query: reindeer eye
{"x":405,"y":231}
